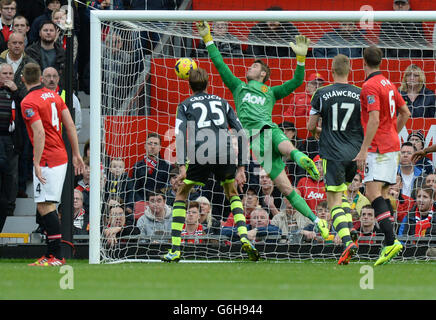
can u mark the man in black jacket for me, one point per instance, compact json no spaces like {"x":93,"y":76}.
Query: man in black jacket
{"x":10,"y":143}
{"x":47,"y":52}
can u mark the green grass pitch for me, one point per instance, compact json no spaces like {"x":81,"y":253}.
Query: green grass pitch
{"x":263,"y":280}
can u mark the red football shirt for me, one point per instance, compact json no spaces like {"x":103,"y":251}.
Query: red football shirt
{"x":312,"y":191}
{"x":46,"y":105}
{"x":379,"y":94}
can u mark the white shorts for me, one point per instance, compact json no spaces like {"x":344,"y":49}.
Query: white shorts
{"x":51,"y":191}
{"x":382,"y":167}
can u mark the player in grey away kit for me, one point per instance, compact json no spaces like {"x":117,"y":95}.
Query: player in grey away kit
{"x":341,"y":137}
{"x":204,"y":146}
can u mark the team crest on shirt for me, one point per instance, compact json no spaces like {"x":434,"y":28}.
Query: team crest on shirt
{"x":370,"y":99}
{"x":264,"y":89}
{"x":29,"y":113}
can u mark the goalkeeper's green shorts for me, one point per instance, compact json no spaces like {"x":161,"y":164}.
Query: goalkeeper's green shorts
{"x":265,"y":147}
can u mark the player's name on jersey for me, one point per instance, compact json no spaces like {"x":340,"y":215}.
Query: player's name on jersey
{"x":205,"y":97}
{"x":341,"y":93}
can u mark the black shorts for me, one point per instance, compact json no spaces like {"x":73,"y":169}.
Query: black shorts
{"x":198,"y":174}
{"x":338,"y":174}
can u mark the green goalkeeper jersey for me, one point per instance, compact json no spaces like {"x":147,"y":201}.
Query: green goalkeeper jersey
{"x":254,"y":100}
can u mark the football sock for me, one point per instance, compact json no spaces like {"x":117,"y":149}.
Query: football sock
{"x":383,"y":214}
{"x":238,"y":216}
{"x":179,"y":215}
{"x":54,"y":236}
{"x":347,"y":209}
{"x":391,"y":209}
{"x":340,"y":223}
{"x":301,"y":206}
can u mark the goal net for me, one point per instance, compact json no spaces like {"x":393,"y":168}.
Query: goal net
{"x":135,"y":93}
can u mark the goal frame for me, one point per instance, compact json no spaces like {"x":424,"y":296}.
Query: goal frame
{"x":192,"y":15}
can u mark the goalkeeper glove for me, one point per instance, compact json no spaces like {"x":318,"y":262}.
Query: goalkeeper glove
{"x":300,"y":47}
{"x":204,"y":31}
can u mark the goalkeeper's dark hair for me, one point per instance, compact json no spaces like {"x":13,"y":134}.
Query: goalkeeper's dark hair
{"x":198,"y":79}
{"x":373,"y":56}
{"x":341,"y":65}
{"x":264,"y":68}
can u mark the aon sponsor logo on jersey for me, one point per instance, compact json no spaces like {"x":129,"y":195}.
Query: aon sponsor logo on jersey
{"x":253,"y":99}
{"x":315,"y":195}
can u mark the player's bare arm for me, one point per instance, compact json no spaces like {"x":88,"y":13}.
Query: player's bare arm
{"x":39,"y":142}
{"x":418,"y":155}
{"x":313,"y":127}
{"x":373,"y":123}
{"x":403,"y":115}
{"x":67,"y":121}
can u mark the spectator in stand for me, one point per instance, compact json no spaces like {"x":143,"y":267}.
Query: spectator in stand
{"x":16,"y":57}
{"x":9,"y":145}
{"x":117,"y":226}
{"x":8,"y":10}
{"x":192,"y":227}
{"x":430,"y":181}
{"x":59,"y":17}
{"x":290,"y":220}
{"x":228,"y":48}
{"x":420,"y":99}
{"x":406,"y":169}
{"x":417,"y":139}
{"x":401,"y":203}
{"x":156,"y":220}
{"x":270,"y":197}
{"x":259,"y":228}
{"x":150,"y":173}
{"x":354,"y":196}
{"x":394,"y":35}
{"x":50,"y":80}
{"x":349,"y":40}
{"x":117,"y":182}
{"x":211,"y":225}
{"x":35,"y":26}
{"x":366,"y":226}
{"x":420,"y":222}
{"x":271,"y":31}
{"x":80,"y":216}
{"x":312,"y":191}
{"x":21,"y":25}
{"x":300,"y":106}
{"x":47,"y":52}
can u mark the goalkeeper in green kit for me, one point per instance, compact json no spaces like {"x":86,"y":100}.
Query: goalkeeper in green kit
{"x":254,"y":102}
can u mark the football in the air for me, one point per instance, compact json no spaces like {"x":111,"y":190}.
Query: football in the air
{"x":183,"y":66}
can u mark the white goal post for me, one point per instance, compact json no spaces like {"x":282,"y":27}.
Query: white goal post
{"x":132,"y":17}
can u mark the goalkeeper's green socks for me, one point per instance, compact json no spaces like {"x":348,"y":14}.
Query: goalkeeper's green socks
{"x":179,"y":215}
{"x":301,"y":206}
{"x":340,"y":223}
{"x":238,"y":216}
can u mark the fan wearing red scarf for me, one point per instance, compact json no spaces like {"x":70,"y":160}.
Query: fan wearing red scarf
{"x":419,"y":222}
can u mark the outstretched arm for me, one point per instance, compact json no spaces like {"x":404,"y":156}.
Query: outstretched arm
{"x":227,"y":76}
{"x":300,"y":48}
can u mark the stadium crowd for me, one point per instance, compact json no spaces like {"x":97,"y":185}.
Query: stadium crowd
{"x":140,"y":201}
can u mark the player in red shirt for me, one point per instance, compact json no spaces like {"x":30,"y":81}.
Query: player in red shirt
{"x":45,"y":113}
{"x":378,"y":155}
